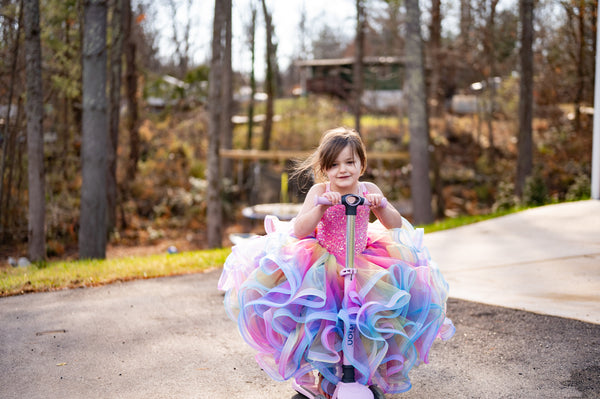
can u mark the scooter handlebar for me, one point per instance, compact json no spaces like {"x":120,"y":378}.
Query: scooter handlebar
{"x":325,"y":201}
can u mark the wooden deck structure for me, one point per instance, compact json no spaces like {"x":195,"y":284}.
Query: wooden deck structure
{"x":334,"y":76}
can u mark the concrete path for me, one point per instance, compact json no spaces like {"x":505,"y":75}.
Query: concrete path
{"x":544,"y":260}
{"x":170,"y":338}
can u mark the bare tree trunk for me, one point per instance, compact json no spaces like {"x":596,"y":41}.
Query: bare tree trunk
{"x":7,"y":134}
{"x":525,"y":139}
{"x":438,"y":104}
{"x":214,"y":209}
{"x":417,"y":111}
{"x":435,"y":40}
{"x":175,"y":42}
{"x":438,"y":184}
{"x":35,"y":136}
{"x":575,"y":10}
{"x":185,"y":59}
{"x":182,"y":45}
{"x":20,"y":173}
{"x":252,"y":35}
{"x":131,"y":88}
{"x":465,"y":42}
{"x":357,"y":70}
{"x":116,"y":57}
{"x":251,"y":32}
{"x":465,"y":25}
{"x":14,"y":167}
{"x":227,"y":95}
{"x":580,"y":66}
{"x":269,"y":80}
{"x":490,"y":48}
{"x":92,"y":226}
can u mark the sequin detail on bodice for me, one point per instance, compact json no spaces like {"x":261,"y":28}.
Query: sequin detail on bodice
{"x":331,"y":230}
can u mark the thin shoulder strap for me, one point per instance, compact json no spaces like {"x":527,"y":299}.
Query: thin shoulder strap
{"x":363,"y":189}
{"x":327,"y":187}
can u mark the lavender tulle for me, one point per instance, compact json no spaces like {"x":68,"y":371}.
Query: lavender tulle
{"x":287,"y":297}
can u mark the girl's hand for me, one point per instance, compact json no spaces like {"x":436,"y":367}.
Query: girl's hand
{"x":375,"y":200}
{"x":333,"y":196}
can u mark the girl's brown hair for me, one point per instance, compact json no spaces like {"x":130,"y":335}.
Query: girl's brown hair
{"x":332,"y":143}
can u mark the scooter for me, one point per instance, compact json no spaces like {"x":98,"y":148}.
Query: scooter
{"x":347,"y":388}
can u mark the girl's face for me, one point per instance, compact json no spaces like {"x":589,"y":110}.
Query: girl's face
{"x":345,"y":172}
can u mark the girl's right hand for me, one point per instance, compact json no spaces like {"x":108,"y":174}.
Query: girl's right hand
{"x":333,"y":196}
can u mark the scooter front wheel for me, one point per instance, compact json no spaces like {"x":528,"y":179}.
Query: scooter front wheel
{"x":300,"y":396}
{"x":377,"y":392}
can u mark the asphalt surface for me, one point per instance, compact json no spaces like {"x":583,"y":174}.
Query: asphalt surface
{"x":170,"y":338}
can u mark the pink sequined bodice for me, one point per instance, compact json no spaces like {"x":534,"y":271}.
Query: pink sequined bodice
{"x":331,"y":230}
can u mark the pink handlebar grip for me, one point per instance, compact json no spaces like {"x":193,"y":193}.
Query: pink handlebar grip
{"x":325,"y":201}
{"x":322,"y":201}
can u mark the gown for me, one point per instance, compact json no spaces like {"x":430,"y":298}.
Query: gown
{"x":287,"y":297}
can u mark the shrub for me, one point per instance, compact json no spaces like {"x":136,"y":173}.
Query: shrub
{"x":535,"y":192}
{"x":580,"y":189}
{"x":505,"y":197}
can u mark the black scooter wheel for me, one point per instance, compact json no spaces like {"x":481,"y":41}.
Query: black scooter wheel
{"x":377,"y":392}
{"x":300,"y":396}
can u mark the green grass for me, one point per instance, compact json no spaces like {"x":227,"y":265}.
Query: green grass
{"x":83,"y":273}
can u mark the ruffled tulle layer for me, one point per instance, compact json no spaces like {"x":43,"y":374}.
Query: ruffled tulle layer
{"x":287,"y":297}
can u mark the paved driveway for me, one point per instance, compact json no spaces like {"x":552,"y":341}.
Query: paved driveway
{"x":170,"y":338}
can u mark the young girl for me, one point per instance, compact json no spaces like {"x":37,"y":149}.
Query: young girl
{"x":285,"y":291}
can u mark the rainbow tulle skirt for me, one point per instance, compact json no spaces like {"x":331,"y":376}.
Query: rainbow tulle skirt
{"x":287,"y":297}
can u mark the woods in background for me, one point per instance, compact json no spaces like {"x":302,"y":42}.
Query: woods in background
{"x":81,"y":81}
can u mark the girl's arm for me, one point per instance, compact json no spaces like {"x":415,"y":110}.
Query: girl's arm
{"x":310,"y":214}
{"x":388,"y":216}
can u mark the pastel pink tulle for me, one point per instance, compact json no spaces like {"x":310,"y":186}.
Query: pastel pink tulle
{"x":287,"y":298}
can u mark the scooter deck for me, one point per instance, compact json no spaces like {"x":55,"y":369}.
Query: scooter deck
{"x":306,"y":391}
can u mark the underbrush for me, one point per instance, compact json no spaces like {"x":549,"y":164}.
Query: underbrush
{"x":167,"y":196}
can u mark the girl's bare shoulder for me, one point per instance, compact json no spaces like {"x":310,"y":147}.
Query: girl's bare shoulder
{"x":318,"y":188}
{"x":372,"y":187}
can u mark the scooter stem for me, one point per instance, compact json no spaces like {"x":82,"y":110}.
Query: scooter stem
{"x":351,"y":203}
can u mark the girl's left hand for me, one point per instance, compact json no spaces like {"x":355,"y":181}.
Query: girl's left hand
{"x":375,"y":200}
